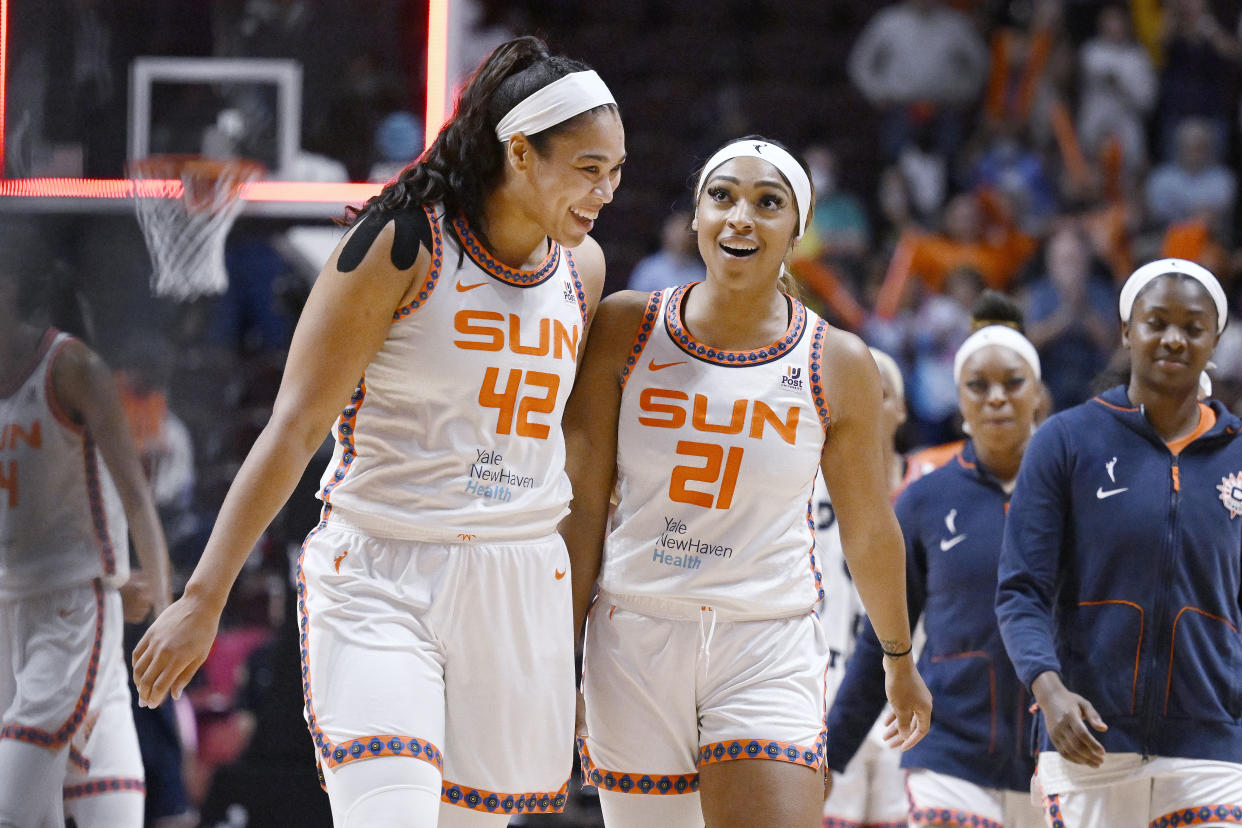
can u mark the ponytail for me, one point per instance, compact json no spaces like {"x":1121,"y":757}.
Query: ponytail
{"x":466,"y":160}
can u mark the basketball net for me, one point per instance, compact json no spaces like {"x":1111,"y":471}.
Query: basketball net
{"x":186,"y":205}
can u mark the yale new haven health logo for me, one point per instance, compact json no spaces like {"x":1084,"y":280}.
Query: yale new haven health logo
{"x":792,"y":378}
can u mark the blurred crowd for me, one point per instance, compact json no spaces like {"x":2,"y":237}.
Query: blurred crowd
{"x":1042,"y":149}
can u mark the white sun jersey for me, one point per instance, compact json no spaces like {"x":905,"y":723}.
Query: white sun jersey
{"x":61,"y":520}
{"x":717,"y":454}
{"x":454,"y":432}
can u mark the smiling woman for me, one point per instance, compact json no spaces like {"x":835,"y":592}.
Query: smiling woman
{"x":457,"y":299}
{"x":975,"y":762}
{"x":1120,"y":596}
{"x":714,"y":407}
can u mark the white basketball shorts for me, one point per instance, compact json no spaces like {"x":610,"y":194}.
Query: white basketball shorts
{"x":1163,"y":792}
{"x":458,"y":655}
{"x":66,"y":720}
{"x":872,"y":790}
{"x":665,"y":696}
{"x":943,"y":800}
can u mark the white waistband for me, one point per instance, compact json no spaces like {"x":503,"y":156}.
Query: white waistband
{"x":686,"y":609}
{"x":379,"y":527}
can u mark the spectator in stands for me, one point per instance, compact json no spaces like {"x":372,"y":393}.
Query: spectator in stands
{"x":940,"y":325}
{"x":920,"y":61}
{"x":1070,"y":315}
{"x":1195,"y":184}
{"x":1197,"y":54}
{"x":398,"y":141}
{"x":840,"y":229}
{"x":1008,"y":167}
{"x":1031,"y":56}
{"x":978,"y":233}
{"x":1116,"y":89}
{"x":830,"y":258}
{"x":677,"y":261}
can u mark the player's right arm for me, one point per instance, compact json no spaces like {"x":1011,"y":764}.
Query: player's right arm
{"x":590,"y":426}
{"x":343,"y":325}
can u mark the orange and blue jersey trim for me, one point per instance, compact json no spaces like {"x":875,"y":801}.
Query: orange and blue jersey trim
{"x":490,"y":802}
{"x":636,"y":783}
{"x":673,"y":784}
{"x":579,"y":290}
{"x":345,"y":426}
{"x":94,"y":499}
{"x":367,"y":747}
{"x":78,"y":760}
{"x":516,"y":278}
{"x":54,"y":739}
{"x":49,"y":389}
{"x":433,"y":272}
{"x":643,"y":336}
{"x":948,"y":817}
{"x":811,"y":756}
{"x":816,"y":373}
{"x":1230,"y":813}
{"x":9,"y":388}
{"x":815,"y":571}
{"x":1052,"y":807}
{"x":96,"y":787}
{"x":730,"y":359}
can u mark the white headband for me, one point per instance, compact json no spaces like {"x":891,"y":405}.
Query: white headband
{"x":559,"y":101}
{"x":777,"y":157}
{"x":1153,"y":270}
{"x":995,"y":335}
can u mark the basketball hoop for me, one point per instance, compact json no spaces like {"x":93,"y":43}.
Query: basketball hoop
{"x":186,"y":205}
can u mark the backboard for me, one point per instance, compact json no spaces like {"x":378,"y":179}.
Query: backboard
{"x":299,"y":86}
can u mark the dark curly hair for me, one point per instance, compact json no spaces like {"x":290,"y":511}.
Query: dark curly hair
{"x":995,"y":308}
{"x":466,"y":161}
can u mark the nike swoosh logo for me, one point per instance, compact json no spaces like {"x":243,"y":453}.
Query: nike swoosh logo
{"x":560,"y":573}
{"x":948,"y":543}
{"x":1101,"y":494}
{"x":463,"y":288}
{"x":660,"y":366}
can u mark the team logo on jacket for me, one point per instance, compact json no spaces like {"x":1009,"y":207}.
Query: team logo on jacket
{"x":1230,"y":489}
{"x":792,"y":378}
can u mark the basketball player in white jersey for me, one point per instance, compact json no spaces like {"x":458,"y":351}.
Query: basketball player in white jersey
{"x":435,"y":606}
{"x":70,"y":478}
{"x":713,"y":407}
{"x":871,"y":792}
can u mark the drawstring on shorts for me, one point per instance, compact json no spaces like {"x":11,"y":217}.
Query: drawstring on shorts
{"x":706,"y":636}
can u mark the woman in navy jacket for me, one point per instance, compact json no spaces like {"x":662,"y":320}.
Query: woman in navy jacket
{"x":974,"y":766}
{"x":1121,"y":578}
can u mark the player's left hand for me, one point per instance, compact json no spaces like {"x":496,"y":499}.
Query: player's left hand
{"x":911,"y":701}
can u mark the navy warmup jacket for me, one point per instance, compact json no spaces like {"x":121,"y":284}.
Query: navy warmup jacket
{"x":1122,"y":571}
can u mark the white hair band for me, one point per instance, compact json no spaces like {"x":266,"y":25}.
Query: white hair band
{"x":777,"y":157}
{"x":555,"y":103}
{"x":1002,"y":335}
{"x":1140,"y":278}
